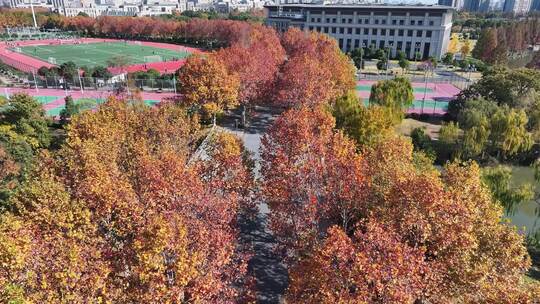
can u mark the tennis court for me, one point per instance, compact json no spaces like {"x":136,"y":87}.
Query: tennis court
{"x":437,"y":106}
{"x":56,"y":110}
{"x":45,"y":99}
{"x":367,"y":88}
{"x":94,"y":54}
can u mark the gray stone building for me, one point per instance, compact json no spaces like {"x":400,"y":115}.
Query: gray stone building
{"x":411,"y":29}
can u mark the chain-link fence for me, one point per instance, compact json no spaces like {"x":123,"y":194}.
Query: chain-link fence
{"x":101,"y":84}
{"x":460,"y":82}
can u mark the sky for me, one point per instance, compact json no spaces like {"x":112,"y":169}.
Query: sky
{"x":412,"y":1}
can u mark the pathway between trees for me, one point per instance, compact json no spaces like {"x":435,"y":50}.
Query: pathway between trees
{"x":265,"y":265}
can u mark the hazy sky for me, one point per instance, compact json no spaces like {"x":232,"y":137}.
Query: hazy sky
{"x":412,"y":1}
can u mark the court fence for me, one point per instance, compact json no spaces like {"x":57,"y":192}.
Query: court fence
{"x":460,"y":82}
{"x":100,"y":84}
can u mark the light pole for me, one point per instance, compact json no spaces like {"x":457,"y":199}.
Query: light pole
{"x":389,"y":50}
{"x":362,"y":59}
{"x":33,"y":13}
{"x":80,"y":81}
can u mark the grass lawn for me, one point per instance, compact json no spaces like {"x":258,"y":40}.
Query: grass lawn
{"x":93,"y":54}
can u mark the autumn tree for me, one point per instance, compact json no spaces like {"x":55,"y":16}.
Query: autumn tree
{"x":372,"y":266}
{"x":486,"y":44}
{"x":256,"y":61}
{"x":121,"y":214}
{"x":465,"y":48}
{"x":311,"y":177}
{"x":450,"y":217}
{"x":205,"y":83}
{"x":316,"y":70}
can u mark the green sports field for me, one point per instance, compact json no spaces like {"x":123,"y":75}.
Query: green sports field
{"x":93,"y":54}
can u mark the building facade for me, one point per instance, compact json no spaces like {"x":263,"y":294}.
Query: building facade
{"x":411,"y":29}
{"x":518,"y":7}
{"x":456,"y":4}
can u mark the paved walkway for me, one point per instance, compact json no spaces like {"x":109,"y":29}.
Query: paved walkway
{"x":266,"y":266}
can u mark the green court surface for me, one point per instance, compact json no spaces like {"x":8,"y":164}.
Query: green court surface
{"x":93,"y":54}
{"x":427,"y":104}
{"x":46,"y":99}
{"x":367,"y":88}
{"x":56,"y":111}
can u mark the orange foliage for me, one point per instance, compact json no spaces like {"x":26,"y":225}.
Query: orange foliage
{"x":120,"y":215}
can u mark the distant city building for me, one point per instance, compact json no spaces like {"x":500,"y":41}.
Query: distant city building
{"x":456,"y":4}
{"x":480,"y":6}
{"x":518,"y":7}
{"x":411,"y":29}
{"x":95,"y":8}
{"x":535,"y":6}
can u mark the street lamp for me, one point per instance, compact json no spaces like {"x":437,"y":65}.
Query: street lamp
{"x":389,"y":49}
{"x":362,"y":59}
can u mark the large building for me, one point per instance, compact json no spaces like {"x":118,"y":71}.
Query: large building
{"x":480,"y":6}
{"x":518,"y":7}
{"x":535,"y":6}
{"x":411,"y":29}
{"x":456,"y":4}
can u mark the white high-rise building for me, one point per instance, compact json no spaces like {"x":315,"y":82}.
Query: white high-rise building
{"x":518,"y":7}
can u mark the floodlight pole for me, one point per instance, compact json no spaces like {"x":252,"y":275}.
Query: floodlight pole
{"x":33,"y":13}
{"x":80,"y":81}
{"x":174,"y":83}
{"x":35,"y":80}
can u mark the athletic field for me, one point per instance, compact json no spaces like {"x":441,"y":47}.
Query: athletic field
{"x":94,"y":54}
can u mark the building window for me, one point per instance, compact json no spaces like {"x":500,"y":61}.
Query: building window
{"x":392,"y":32}
{"x":419,"y":33}
{"x":383,"y":21}
{"x":356,"y":43}
{"x":349,"y":30}
{"x":410,"y":33}
{"x":381,"y":44}
{"x":383,"y":32}
{"x":350,"y":20}
{"x":366,"y":31}
{"x":357,"y":31}
{"x":394,"y":22}
{"x":400,"y":33}
{"x":401,"y":22}
{"x":327,"y":20}
{"x":342,"y":30}
{"x":318,"y":28}
{"x":366,"y":21}
{"x":376,"y":21}
{"x":428,"y":34}
{"x":412,"y":22}
{"x":333,"y":30}
{"x":420,"y":22}
{"x":364,"y":43}
{"x":431,"y":23}
{"x":311,"y":28}
{"x":334,"y":20}
{"x":341,"y":43}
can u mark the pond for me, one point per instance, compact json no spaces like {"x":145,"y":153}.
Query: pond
{"x":525,"y":214}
